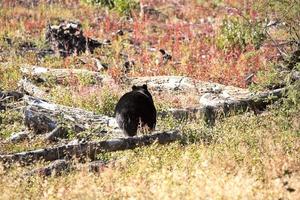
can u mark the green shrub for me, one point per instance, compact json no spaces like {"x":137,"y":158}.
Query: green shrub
{"x":121,"y":6}
{"x":125,"y":6}
{"x":108,"y":103}
{"x":105,"y":3}
{"x":237,"y":33}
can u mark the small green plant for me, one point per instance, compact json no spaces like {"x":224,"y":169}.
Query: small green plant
{"x":108,"y":102}
{"x":125,"y":6}
{"x":10,"y":122}
{"x":121,"y":6}
{"x":237,"y":33}
{"x":105,"y":3}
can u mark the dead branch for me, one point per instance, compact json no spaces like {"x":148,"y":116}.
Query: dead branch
{"x":90,"y":149}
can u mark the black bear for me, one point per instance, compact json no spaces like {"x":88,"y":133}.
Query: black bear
{"x":134,"y":107}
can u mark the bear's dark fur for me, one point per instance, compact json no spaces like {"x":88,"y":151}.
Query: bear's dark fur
{"x":134,"y":107}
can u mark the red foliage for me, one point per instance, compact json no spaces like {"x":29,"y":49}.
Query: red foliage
{"x":34,"y":26}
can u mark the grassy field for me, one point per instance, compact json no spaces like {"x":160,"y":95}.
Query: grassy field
{"x":246,"y":156}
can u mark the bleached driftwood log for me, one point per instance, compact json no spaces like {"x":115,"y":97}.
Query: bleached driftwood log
{"x":165,"y":83}
{"x":90,"y":149}
{"x":42,"y":116}
{"x":43,"y":74}
{"x":214,"y":105}
{"x":212,"y":98}
{"x":229,"y":103}
{"x":213,"y":95}
{"x":31,"y":89}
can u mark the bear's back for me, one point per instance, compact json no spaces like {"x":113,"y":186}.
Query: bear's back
{"x":134,"y":100}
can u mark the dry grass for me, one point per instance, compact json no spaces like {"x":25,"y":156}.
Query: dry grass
{"x":242,"y":157}
{"x":252,"y":159}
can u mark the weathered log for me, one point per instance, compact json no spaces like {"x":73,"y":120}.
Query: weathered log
{"x":213,"y":98}
{"x":31,"y":89}
{"x":228,"y":103}
{"x":42,"y":74}
{"x":221,"y":104}
{"x":182,"y":113}
{"x":165,"y":83}
{"x":90,"y":149}
{"x":42,"y":116}
{"x":18,"y":137}
{"x":9,"y":97}
{"x":58,"y":132}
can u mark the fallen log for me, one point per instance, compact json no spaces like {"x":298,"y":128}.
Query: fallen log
{"x":90,"y":149}
{"x":42,"y":116}
{"x":9,"y":97}
{"x":43,"y":74}
{"x":182,"y":84}
{"x":227,"y":103}
{"x":31,"y":89}
{"x":182,"y":113}
{"x":221,"y":104}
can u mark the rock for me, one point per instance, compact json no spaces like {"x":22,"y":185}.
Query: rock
{"x":18,"y":137}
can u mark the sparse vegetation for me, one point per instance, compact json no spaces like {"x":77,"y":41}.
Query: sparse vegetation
{"x":236,"y":33}
{"x":245,"y":156}
{"x":121,"y":6}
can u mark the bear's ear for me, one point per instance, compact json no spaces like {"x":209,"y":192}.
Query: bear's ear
{"x":134,"y":87}
{"x":145,"y":87}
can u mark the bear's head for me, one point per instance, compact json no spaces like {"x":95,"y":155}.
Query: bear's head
{"x":143,"y":89}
